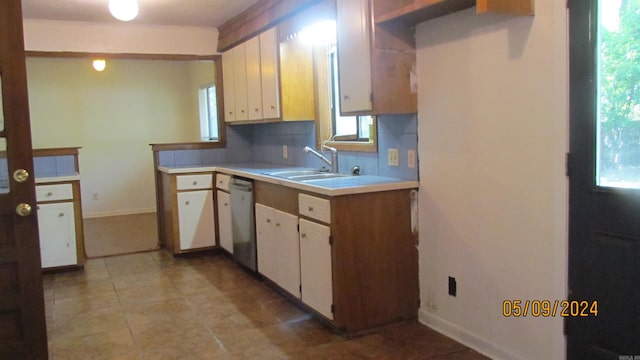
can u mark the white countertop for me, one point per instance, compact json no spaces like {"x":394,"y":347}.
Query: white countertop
{"x":330,"y":187}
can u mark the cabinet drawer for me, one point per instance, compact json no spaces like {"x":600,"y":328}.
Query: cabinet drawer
{"x":315,"y":207}
{"x":222,"y":181}
{"x":193,"y":182}
{"x":54,"y":192}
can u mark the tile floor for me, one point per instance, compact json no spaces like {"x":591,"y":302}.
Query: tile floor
{"x":152,"y":306}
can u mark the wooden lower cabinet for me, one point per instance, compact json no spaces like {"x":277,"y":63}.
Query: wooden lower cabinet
{"x":358,"y":255}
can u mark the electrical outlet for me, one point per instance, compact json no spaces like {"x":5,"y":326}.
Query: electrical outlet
{"x":285,"y":153}
{"x":411,"y":159}
{"x":393,"y":157}
{"x":453,"y":291}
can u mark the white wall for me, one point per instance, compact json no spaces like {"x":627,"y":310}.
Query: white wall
{"x":48,"y":35}
{"x":113,"y":115}
{"x":493,"y":130}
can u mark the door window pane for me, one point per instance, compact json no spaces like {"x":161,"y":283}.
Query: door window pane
{"x":4,"y":168}
{"x":1,"y":108}
{"x":618,"y":143}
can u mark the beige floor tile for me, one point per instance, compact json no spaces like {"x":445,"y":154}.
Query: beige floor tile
{"x":151,"y":306}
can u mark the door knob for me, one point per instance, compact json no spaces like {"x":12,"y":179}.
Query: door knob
{"x":23,"y":209}
{"x":21,"y":175}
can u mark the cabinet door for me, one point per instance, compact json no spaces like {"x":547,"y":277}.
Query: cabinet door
{"x":195,"y":219}
{"x":354,"y":55}
{"x":254,"y":78}
{"x":315,"y":267}
{"x":240,"y":86}
{"x":224,"y":221}
{"x":270,"y":74}
{"x":288,"y":252}
{"x":265,"y":242}
{"x":56,"y":225}
{"x":228,"y":69}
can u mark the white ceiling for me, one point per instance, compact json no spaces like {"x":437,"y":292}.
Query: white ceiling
{"x":209,"y":13}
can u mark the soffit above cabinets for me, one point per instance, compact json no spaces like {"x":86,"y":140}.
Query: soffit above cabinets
{"x":205,"y":13}
{"x":413,"y":12}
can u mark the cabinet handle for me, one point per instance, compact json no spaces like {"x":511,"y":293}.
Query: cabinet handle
{"x":49,"y":193}
{"x":195,"y":183}
{"x":268,"y":221}
{"x":242,"y":111}
{"x":226,"y":204}
{"x":273,"y":107}
{"x":303,"y":235}
{"x":61,"y":215}
{"x":230,"y":112}
{"x":256,"y":109}
{"x":347,"y":97}
{"x":186,"y":202}
{"x":310,"y":208}
{"x":278,"y":224}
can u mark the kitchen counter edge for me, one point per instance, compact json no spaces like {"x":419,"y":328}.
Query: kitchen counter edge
{"x":255,"y":172}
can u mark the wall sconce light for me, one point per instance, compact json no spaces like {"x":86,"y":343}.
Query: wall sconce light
{"x":123,"y":10}
{"x":99,"y":64}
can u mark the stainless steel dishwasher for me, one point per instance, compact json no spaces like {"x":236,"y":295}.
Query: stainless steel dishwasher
{"x":243,"y":222}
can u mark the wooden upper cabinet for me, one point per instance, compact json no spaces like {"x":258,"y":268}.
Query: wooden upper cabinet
{"x":375,"y":64}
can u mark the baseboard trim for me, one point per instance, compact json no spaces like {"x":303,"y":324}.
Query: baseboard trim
{"x":465,"y":337}
{"x":118,"y":213}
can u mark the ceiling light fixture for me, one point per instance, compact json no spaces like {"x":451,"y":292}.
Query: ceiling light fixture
{"x":99,"y":64}
{"x":123,"y":10}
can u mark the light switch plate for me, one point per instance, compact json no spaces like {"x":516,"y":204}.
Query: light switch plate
{"x":393,"y":157}
{"x":411,"y":159}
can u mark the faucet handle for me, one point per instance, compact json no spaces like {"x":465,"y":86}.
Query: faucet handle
{"x":332,"y":149}
{"x":355,"y":170}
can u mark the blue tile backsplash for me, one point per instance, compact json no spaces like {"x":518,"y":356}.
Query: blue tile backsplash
{"x":264,"y":142}
{"x":43,"y":167}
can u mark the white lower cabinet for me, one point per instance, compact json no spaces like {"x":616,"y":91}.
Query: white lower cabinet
{"x":224,"y":221}
{"x":196,"y":219}
{"x":278,"y":247}
{"x":315,"y":267}
{"x":57,"y":228}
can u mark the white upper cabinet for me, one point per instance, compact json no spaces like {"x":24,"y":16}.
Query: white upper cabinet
{"x":229,"y":88}
{"x":270,"y":74}
{"x":254,"y":79}
{"x":240,"y":86}
{"x":354,"y":55}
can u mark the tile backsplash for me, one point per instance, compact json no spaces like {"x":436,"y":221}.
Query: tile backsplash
{"x":43,"y":167}
{"x":265,"y":142}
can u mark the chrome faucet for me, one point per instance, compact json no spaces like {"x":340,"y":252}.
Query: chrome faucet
{"x":334,"y":156}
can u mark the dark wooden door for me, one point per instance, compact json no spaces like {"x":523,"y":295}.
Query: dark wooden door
{"x":604,"y":172}
{"x":22,"y":321}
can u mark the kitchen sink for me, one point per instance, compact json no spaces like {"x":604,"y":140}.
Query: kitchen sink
{"x":291,"y":173}
{"x":305,"y":175}
{"x":317,"y":176}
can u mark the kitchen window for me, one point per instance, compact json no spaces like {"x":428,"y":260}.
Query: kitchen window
{"x":207,"y":99}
